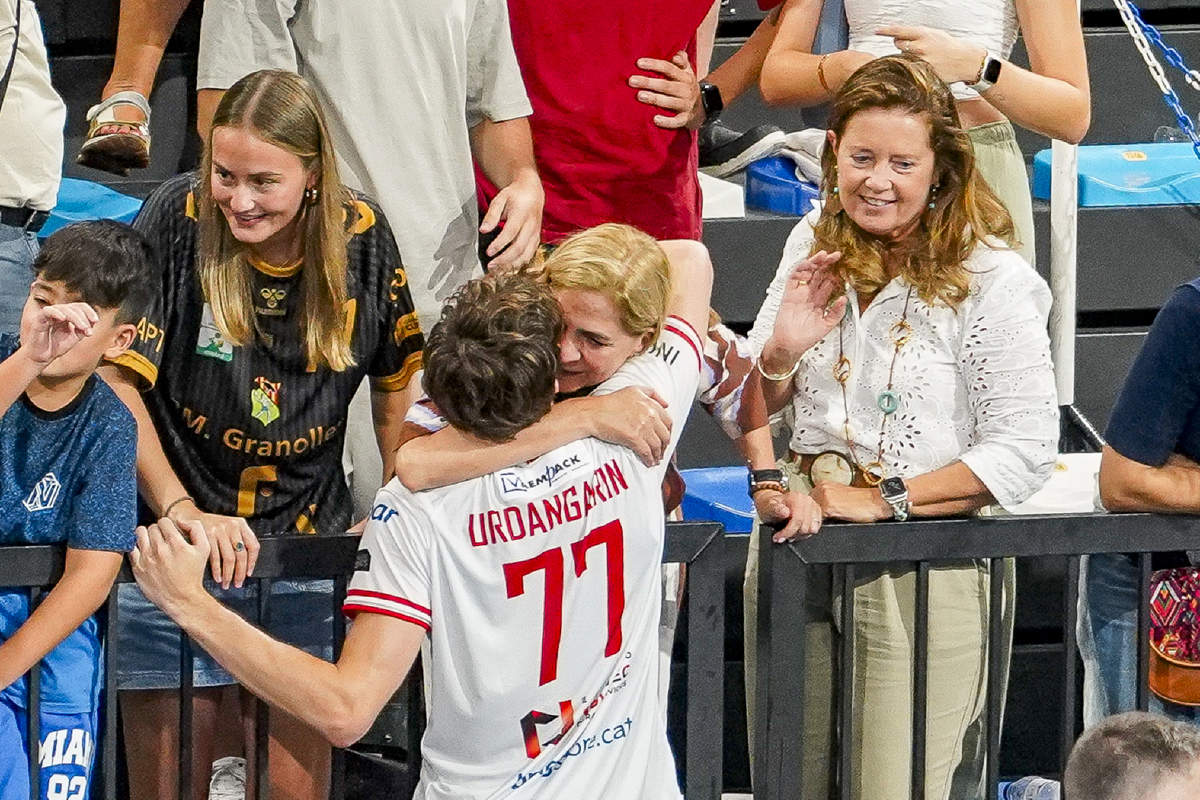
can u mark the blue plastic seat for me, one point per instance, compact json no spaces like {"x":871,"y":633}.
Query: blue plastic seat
{"x":718,"y":494}
{"x":83,"y":200}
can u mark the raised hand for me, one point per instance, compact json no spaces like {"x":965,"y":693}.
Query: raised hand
{"x":808,"y":310}
{"x":56,"y":329}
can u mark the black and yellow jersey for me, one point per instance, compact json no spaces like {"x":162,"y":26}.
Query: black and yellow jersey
{"x":255,"y":430}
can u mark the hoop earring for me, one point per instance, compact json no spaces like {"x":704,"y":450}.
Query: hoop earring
{"x":311,"y":195}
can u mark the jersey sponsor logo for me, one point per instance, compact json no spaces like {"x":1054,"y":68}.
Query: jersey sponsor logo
{"x":264,"y":400}
{"x":544,"y":515}
{"x":528,"y":479}
{"x":584,"y":744}
{"x":272,"y":296}
{"x":382,"y":512}
{"x":44,"y":494}
{"x":236,"y":439}
{"x":210,"y":342}
{"x":66,"y":746}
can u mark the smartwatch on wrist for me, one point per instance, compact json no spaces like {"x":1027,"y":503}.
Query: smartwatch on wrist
{"x":895,"y":494}
{"x":760,"y":479}
{"x":710,"y":100}
{"x":989,"y":73}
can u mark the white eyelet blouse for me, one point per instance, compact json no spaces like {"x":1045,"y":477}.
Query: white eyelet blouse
{"x":975,"y":383}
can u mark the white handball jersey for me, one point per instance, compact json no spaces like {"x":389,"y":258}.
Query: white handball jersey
{"x":540,"y":588}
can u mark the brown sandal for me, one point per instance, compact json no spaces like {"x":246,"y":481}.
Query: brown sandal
{"x":121,"y":151}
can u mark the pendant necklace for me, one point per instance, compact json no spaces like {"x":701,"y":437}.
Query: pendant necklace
{"x":887,"y":400}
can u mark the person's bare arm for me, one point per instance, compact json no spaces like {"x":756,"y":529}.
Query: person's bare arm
{"x":340,"y":700}
{"x":742,"y":69}
{"x":504,"y":151}
{"x":161,"y":489}
{"x":790,"y":72}
{"x":952,"y":490}
{"x":83,"y":587}
{"x":387,"y":415}
{"x":632,"y":417}
{"x":1128,"y":485}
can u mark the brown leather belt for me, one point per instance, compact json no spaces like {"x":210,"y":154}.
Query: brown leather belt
{"x":804,"y":462}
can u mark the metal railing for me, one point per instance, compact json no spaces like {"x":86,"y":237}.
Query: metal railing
{"x":785,"y":574}
{"x":699,"y":545}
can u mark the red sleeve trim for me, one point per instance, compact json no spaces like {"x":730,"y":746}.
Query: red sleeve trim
{"x":351,"y":611}
{"x":391,"y":597}
{"x":679,"y":330}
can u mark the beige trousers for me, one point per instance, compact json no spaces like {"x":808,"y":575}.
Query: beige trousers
{"x":883,"y":685}
{"x":1000,"y":162}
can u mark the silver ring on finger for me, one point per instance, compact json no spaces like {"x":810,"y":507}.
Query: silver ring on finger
{"x":239,"y":546}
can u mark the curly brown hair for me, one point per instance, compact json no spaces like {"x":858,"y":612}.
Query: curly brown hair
{"x":491,"y":359}
{"x":965,"y":213}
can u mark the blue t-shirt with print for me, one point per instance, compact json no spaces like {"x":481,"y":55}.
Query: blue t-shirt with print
{"x":66,"y":477}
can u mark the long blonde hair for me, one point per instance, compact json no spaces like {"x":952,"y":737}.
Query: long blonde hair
{"x":280,"y":108}
{"x":965,"y":211}
{"x":620,"y":262}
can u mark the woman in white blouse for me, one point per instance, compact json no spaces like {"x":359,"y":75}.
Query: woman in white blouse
{"x":910,"y":343}
{"x":969,"y":44}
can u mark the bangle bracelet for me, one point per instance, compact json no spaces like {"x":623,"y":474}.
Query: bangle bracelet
{"x":821,"y":75}
{"x":167,"y":511}
{"x":776,"y":378}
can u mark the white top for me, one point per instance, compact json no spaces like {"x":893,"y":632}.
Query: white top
{"x":990,"y":23}
{"x":31,"y":145}
{"x":975,"y":383}
{"x":540,"y":587}
{"x":401,"y":84}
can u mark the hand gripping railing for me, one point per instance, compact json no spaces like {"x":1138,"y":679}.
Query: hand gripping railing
{"x":699,"y":545}
{"x":784,"y":575}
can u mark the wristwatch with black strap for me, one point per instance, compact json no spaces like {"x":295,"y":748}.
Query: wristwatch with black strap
{"x":710,"y":100}
{"x":760,"y":479}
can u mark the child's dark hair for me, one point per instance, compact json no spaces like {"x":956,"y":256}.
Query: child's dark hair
{"x":107,"y":263}
{"x":490,"y":360}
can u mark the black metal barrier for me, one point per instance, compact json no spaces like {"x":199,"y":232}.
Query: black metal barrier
{"x":699,"y":545}
{"x":785,"y":573}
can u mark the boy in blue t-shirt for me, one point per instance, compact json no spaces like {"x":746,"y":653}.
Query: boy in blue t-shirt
{"x":67,"y":475}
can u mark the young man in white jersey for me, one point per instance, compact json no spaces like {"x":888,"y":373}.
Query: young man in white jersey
{"x":538,"y":586}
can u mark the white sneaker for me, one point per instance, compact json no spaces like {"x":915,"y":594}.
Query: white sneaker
{"x":228,"y":780}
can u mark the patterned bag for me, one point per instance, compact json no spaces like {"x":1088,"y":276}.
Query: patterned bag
{"x":1174,"y":670}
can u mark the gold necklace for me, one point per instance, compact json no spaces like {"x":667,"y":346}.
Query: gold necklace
{"x":888,"y":400}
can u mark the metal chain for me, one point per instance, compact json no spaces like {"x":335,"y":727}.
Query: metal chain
{"x":1142,"y":34}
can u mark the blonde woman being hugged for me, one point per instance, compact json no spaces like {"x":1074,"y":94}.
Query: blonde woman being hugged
{"x":281,"y":289}
{"x":910,"y":342}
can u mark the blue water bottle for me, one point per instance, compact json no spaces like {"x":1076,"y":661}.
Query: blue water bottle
{"x":1032,"y":788}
